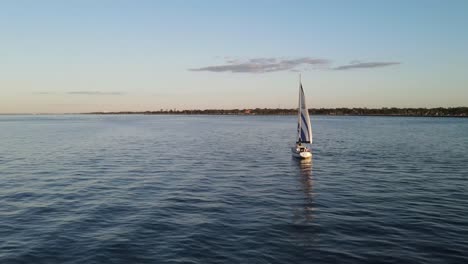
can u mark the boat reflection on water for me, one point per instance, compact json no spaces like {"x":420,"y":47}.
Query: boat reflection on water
{"x":305,"y":214}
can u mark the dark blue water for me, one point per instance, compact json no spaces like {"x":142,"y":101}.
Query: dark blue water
{"x":224,"y":189}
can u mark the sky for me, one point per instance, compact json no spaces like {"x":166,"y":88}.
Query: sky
{"x":109,"y":55}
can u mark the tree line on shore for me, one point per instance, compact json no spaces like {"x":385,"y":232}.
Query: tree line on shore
{"x":393,"y":111}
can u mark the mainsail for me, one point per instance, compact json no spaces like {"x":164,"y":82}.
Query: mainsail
{"x":304,"y":130}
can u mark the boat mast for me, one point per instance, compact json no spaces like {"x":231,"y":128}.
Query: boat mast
{"x":299,"y":123}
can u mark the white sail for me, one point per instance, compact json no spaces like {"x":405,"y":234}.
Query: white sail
{"x":304,"y":130}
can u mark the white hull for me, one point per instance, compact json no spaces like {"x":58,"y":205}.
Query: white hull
{"x":301,"y":155}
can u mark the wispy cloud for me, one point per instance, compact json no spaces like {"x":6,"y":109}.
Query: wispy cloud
{"x":262,"y":65}
{"x":365,"y":65}
{"x":94,"y":93}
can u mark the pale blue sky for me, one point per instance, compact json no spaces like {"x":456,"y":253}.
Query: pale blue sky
{"x":80,"y":56}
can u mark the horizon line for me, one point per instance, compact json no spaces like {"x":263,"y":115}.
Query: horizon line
{"x":229,"y":109}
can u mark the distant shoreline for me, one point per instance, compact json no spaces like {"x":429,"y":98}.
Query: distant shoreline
{"x":396,"y":112}
{"x":410,"y":112}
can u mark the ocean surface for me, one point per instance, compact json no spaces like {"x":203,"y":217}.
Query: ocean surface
{"x":224,"y":189}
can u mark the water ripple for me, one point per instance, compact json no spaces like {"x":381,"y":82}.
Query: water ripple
{"x":209,"y":189}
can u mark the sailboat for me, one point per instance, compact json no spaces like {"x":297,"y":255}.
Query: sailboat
{"x":302,"y":149}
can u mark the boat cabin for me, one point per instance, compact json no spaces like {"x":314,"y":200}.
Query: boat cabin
{"x":300,"y":148}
